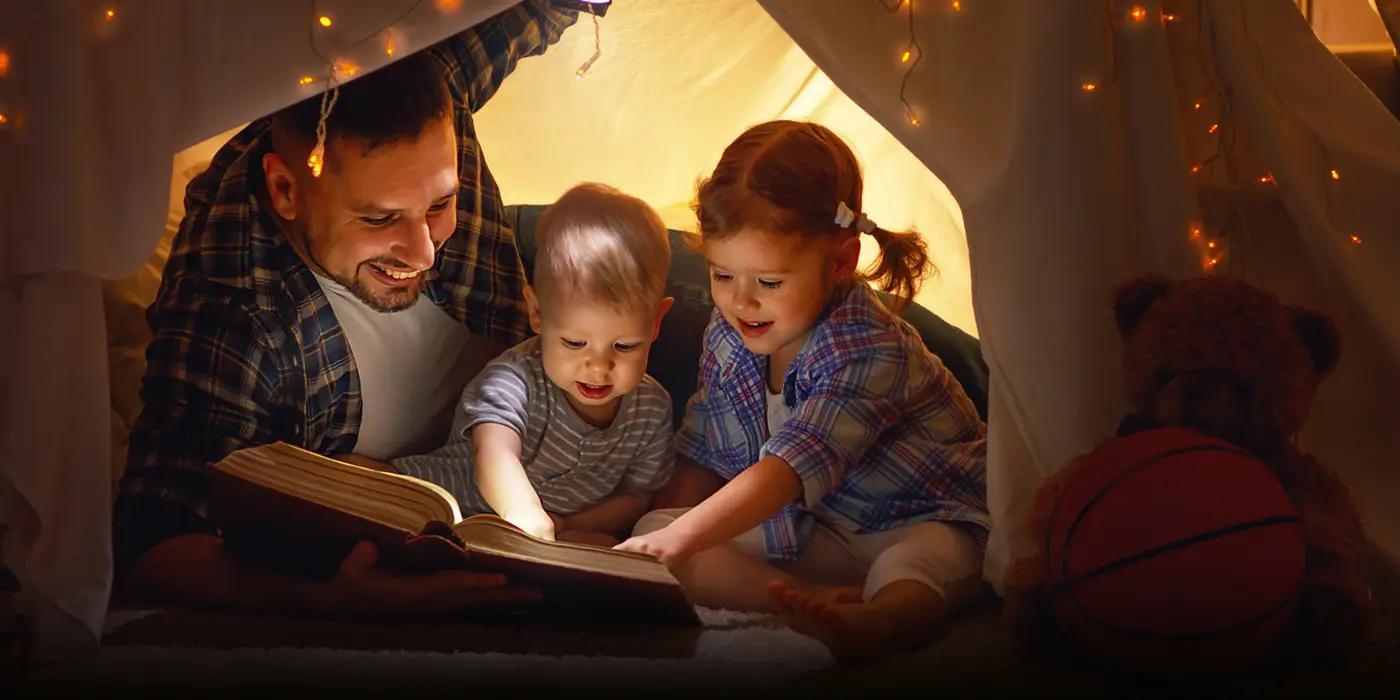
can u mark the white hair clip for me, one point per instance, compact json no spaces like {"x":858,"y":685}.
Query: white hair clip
{"x":845,"y":217}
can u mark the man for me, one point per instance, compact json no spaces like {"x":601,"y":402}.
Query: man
{"x":330,"y":312}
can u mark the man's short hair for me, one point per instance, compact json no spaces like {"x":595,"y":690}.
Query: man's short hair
{"x":390,"y":104}
{"x":604,"y":244}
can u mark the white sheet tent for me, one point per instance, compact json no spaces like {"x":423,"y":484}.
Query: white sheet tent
{"x":1062,"y":193}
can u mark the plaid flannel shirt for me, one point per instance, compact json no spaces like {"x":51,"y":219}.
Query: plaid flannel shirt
{"x":246,"y":349}
{"x":881,"y":434}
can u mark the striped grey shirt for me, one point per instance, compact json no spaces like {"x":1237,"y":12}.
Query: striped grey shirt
{"x":571,"y":464}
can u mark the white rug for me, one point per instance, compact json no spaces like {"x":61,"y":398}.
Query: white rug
{"x":733,"y":650}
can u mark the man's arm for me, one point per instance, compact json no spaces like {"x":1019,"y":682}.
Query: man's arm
{"x":210,"y":388}
{"x":479,"y":59}
{"x":481,"y":263}
{"x":195,"y":569}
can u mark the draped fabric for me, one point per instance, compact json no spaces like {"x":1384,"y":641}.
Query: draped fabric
{"x":1066,"y":191}
{"x":1062,"y":192}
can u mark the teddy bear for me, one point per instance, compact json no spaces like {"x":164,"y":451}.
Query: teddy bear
{"x":1230,"y":361}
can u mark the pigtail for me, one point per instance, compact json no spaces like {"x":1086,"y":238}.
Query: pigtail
{"x":902,"y":266}
{"x":800,"y":178}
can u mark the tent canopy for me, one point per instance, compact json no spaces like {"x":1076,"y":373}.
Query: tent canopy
{"x":1062,"y":191}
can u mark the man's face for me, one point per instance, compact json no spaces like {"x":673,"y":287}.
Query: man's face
{"x":374,"y":221}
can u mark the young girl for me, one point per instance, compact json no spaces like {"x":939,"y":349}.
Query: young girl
{"x":855,"y":499}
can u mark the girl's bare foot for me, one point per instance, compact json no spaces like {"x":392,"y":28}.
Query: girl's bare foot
{"x":853,"y":631}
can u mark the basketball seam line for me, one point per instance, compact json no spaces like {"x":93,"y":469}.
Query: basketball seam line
{"x":1112,"y":483}
{"x":1178,"y":544}
{"x":1291,"y":598}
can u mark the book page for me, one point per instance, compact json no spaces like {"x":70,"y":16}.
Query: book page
{"x":397,"y":500}
{"x":495,"y":535}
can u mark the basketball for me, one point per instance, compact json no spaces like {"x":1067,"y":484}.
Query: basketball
{"x":1169,"y":549}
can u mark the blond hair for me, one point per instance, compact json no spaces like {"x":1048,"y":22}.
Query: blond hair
{"x":602,"y":243}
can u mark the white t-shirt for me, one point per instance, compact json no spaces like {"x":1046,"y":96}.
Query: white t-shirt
{"x":778,"y":413}
{"x":412,"y":364}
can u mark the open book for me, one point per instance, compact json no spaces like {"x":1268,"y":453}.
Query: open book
{"x":302,"y":511}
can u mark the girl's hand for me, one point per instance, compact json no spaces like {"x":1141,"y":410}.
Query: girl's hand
{"x":664,"y":544}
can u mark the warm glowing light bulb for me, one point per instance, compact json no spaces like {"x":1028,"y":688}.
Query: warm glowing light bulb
{"x":1211,"y":261}
{"x":347,"y":68}
{"x":1336,"y":175}
{"x":1266,"y":179}
{"x":1195,"y":233}
{"x":1197,"y":105}
{"x":1169,"y":17}
{"x":1213,"y":128}
{"x":914,"y":121}
{"x":1089,"y":87}
{"x":904,"y":57}
{"x":1138,"y":13}
{"x":957,"y":6}
{"x":110,"y":14}
{"x":4,"y":63}
{"x":389,"y":48}
{"x":1354,"y":239}
{"x":325,"y":21}
{"x":4,"y":119}
{"x":305,"y":80}
{"x":316,"y":160}
{"x":1211,"y":245}
{"x":1195,"y":168}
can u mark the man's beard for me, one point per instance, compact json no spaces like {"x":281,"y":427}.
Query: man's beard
{"x":394,"y":300}
{"x":389,"y":301}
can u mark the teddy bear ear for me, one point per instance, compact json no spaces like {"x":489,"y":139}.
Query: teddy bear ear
{"x":1132,"y":299}
{"x":1321,"y":338}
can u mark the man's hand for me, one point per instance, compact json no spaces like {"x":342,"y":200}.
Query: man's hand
{"x":666,"y":544}
{"x":364,"y":592}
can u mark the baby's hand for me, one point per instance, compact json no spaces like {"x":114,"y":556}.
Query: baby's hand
{"x":537,"y":523}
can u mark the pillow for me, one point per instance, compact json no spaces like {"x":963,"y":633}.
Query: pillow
{"x":675,"y":357}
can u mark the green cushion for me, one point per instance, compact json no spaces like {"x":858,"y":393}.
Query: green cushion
{"x":675,"y":356}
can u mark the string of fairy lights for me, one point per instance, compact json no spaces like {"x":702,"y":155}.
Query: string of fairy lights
{"x":6,"y":117}
{"x":1212,"y":111}
{"x":322,"y":25}
{"x":387,"y":33}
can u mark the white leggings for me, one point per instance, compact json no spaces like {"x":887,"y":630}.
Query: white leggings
{"x":933,"y":553}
